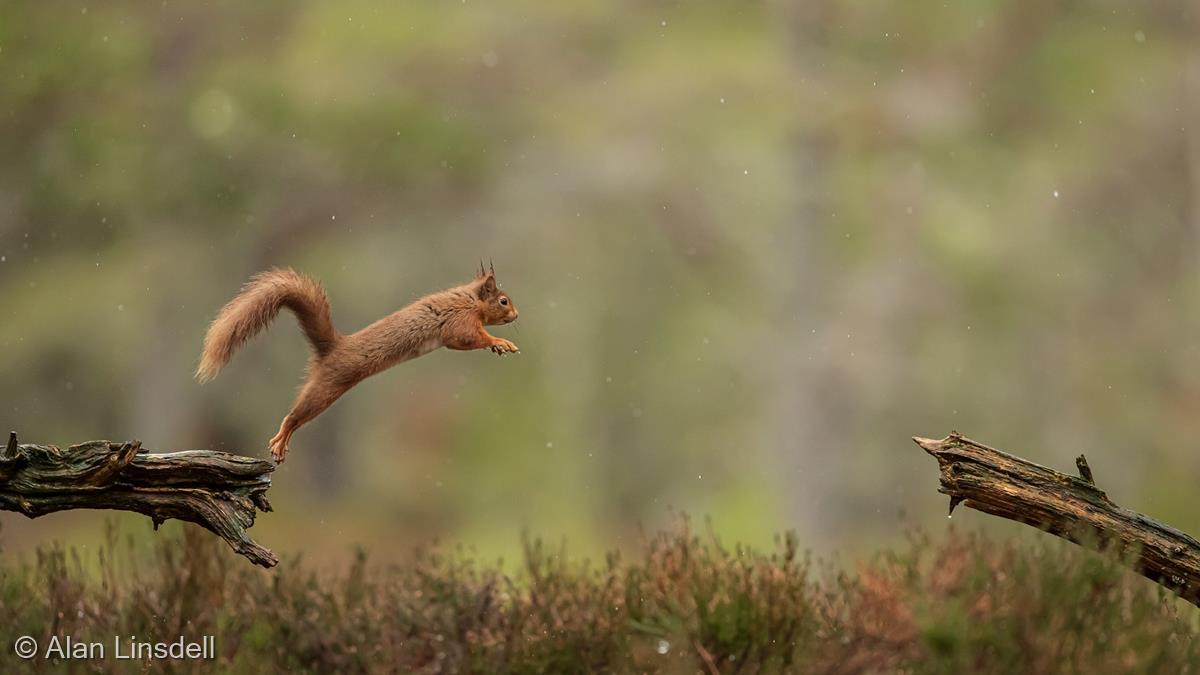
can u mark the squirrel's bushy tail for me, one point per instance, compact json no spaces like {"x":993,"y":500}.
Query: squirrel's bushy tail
{"x":253,"y":309}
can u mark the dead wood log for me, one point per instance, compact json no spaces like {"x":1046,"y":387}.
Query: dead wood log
{"x":1069,"y":507}
{"x":216,"y":490}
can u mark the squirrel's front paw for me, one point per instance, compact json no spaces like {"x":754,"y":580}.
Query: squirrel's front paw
{"x":502,"y":346}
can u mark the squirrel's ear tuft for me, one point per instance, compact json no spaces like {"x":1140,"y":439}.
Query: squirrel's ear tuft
{"x":487,"y":287}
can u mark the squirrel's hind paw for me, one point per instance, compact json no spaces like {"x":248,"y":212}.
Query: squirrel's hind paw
{"x":278,"y":450}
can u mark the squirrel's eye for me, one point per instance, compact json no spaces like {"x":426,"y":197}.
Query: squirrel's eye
{"x":504,"y":301}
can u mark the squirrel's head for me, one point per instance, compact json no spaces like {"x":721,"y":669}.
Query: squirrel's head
{"x":496,"y":306}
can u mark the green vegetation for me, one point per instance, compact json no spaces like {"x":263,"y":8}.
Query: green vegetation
{"x":756,"y":245}
{"x":684,"y":603}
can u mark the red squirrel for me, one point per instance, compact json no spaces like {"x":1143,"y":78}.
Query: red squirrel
{"x":453,"y":318}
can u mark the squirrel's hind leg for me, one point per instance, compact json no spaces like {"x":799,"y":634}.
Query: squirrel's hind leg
{"x":314,"y":398}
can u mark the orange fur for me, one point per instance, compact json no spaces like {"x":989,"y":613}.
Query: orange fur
{"x":453,"y":318}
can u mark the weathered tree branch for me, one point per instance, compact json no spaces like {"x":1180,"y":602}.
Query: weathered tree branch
{"x":1073,"y":508}
{"x":215,"y":490}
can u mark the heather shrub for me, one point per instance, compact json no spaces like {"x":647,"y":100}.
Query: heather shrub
{"x":683,"y":602}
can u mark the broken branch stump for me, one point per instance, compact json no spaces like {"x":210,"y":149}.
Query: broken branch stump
{"x":1070,"y":507}
{"x":216,"y":490}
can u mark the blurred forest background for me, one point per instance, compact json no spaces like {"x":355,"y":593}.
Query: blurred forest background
{"x":756,"y":247}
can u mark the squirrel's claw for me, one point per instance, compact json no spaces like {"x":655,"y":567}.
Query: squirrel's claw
{"x":504,"y":347}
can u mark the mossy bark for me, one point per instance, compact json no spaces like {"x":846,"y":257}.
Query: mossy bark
{"x":1069,"y":507}
{"x":216,"y":490}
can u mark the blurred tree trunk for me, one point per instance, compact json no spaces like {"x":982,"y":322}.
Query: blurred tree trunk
{"x":161,"y":414}
{"x":326,"y":466}
{"x":1191,"y":95}
{"x":808,"y":408}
